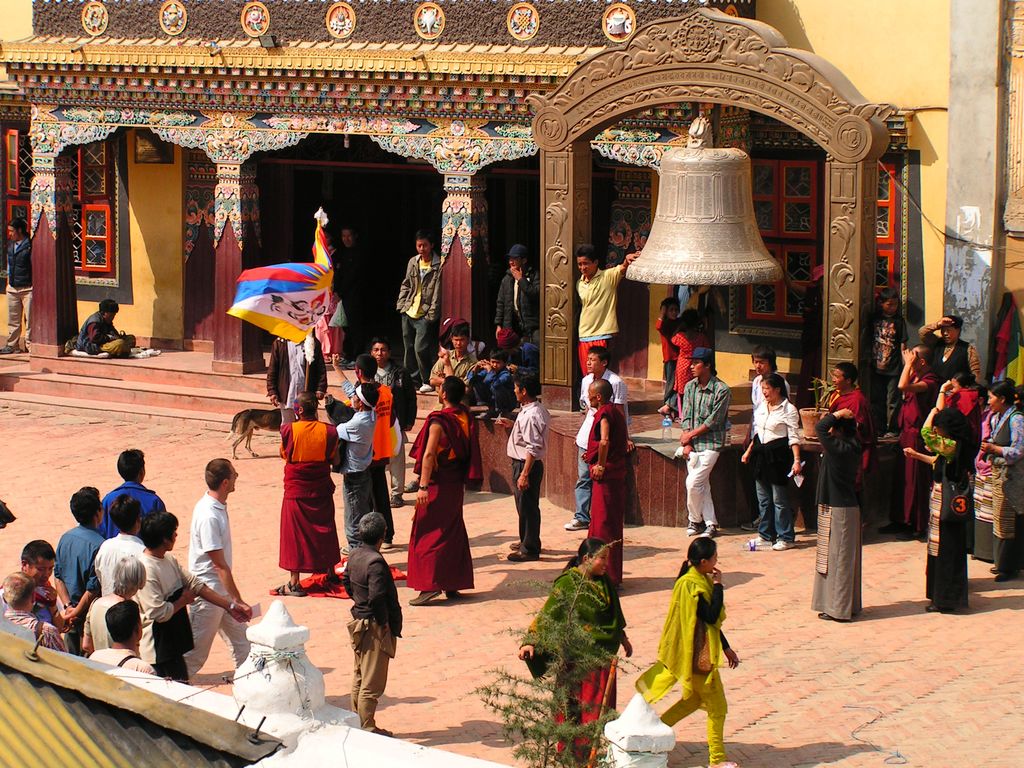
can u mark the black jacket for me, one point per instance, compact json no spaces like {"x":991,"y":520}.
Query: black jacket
{"x":369,"y":583}
{"x":528,"y":319}
{"x":403,"y":390}
{"x":19,"y":264}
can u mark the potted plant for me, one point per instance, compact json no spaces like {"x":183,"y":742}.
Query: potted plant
{"x":809,"y":417}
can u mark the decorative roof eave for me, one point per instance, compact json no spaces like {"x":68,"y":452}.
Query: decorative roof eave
{"x":433,"y":58}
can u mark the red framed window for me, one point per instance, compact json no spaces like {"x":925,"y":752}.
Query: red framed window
{"x":12,"y":178}
{"x":92,"y":225}
{"x":786,"y":207}
{"x":887,"y":235}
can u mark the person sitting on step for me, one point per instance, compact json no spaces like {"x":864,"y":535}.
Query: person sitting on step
{"x":98,"y":334}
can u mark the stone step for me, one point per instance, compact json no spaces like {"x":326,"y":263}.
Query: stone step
{"x":164,"y":369}
{"x":20,"y":402}
{"x":144,"y":396}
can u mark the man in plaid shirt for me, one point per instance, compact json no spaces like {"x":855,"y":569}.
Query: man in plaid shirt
{"x":703,"y":416}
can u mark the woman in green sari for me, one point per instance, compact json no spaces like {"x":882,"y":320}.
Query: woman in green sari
{"x":692,"y":648}
{"x":584,"y":589}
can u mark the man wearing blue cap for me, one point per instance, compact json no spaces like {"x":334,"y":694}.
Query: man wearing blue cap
{"x":518,"y":306}
{"x":703,"y":415}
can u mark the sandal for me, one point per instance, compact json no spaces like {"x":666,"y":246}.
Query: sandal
{"x":291,"y":590}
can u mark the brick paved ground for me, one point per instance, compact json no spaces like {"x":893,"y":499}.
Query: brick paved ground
{"x":940,"y":690}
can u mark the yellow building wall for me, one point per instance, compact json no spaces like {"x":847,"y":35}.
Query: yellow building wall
{"x":16,"y":24}
{"x":155,"y":221}
{"x":1014,"y":273}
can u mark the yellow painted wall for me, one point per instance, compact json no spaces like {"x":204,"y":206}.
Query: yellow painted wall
{"x":896,"y":53}
{"x":1014,"y":274}
{"x":16,"y":24}
{"x":155,"y":220}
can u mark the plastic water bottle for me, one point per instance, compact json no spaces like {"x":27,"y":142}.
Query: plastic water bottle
{"x":756,"y":544}
{"x":666,"y":429}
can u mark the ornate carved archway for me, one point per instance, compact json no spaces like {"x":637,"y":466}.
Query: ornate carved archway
{"x":707,"y":56}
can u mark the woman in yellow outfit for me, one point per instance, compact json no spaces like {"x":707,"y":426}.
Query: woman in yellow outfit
{"x":692,"y":646}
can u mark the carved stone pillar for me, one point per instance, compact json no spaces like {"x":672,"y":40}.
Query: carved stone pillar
{"x":464,"y":250}
{"x":54,"y":308}
{"x":236,"y":344}
{"x":847,"y":290}
{"x":565,"y":200}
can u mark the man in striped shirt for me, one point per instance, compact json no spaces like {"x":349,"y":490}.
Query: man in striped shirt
{"x":704,"y":418}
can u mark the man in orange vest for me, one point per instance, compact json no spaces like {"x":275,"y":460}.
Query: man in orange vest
{"x":384,"y":442}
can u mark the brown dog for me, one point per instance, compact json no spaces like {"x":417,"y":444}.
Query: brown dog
{"x":248,"y":421}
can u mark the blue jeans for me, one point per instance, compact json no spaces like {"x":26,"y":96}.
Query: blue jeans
{"x":582,"y":489}
{"x":776,"y":514}
{"x":358,"y":502}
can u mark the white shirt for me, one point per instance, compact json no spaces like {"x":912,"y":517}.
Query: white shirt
{"x":109,"y":555}
{"x":756,"y":393}
{"x":620,"y":395}
{"x":781,"y":421}
{"x":209,"y":531}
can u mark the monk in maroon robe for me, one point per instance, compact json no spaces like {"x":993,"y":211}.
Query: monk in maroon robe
{"x":920,"y":387}
{"x":848,"y":395}
{"x":309,"y":535}
{"x":606,"y":454}
{"x":447,"y":454}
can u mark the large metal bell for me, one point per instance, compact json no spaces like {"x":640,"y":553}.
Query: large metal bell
{"x":704,"y":231}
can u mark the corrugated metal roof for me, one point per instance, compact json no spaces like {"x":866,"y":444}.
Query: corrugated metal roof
{"x":58,"y":711}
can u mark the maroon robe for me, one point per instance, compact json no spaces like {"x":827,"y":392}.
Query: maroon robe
{"x":608,"y":494}
{"x":439,"y":555}
{"x":917,"y":476}
{"x":856,"y":402}
{"x":309,"y":534}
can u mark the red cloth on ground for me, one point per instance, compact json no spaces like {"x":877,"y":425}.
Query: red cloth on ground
{"x":686,"y":348}
{"x":439,"y":554}
{"x":608,"y":495}
{"x":309,"y":534}
{"x":861,"y":408}
{"x":317,"y":585}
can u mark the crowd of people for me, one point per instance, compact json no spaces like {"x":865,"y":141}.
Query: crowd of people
{"x":120,"y":596}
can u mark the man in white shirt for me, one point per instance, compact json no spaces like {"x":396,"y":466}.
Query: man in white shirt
{"x":124,"y":625}
{"x":597,"y":368}
{"x":126,"y":514}
{"x":209,"y":560}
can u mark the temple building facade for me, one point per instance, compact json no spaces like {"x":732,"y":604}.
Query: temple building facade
{"x":160,"y":147}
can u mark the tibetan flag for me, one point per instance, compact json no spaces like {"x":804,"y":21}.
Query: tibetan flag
{"x":1008,"y":344}
{"x":287,"y":299}
{"x":321,"y":255}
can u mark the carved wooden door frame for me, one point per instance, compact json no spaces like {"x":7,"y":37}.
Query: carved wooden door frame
{"x":705,"y":55}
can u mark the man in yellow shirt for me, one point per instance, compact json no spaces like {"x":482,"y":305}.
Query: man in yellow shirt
{"x":597,"y":291}
{"x":419,"y":301}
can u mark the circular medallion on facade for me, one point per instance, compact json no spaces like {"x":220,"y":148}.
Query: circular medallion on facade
{"x":94,"y":18}
{"x":173,"y":17}
{"x":341,"y":20}
{"x":255,"y":19}
{"x":523,"y":21}
{"x":428,"y":19}
{"x":618,"y":22}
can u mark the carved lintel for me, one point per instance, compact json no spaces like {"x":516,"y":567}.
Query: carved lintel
{"x":229,"y":138}
{"x":457,"y":154}
{"x":707,"y":56}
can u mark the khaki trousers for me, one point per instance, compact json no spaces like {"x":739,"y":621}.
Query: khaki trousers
{"x":374,"y":647}
{"x":208,"y":621}
{"x":19,"y":301}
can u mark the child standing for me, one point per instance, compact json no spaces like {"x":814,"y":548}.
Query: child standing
{"x":666,"y":326}
{"x":692,"y":646}
{"x":888,"y":341}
